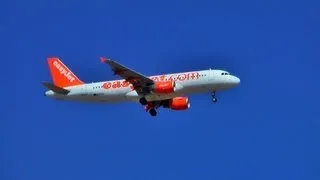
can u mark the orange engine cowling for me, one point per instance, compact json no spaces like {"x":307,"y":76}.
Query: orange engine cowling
{"x":179,"y":103}
{"x":164,"y":87}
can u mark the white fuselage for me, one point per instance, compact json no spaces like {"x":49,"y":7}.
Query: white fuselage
{"x":120,"y":90}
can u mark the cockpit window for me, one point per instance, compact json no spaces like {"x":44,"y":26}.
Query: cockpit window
{"x":224,"y":73}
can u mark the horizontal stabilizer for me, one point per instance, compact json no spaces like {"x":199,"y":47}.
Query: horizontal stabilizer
{"x":55,"y":88}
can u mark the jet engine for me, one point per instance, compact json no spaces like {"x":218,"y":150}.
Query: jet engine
{"x":179,"y":103}
{"x":164,"y":87}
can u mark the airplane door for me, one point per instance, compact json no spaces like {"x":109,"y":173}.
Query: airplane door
{"x":211,"y":75}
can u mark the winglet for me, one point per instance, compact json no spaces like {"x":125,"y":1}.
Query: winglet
{"x":103,"y":59}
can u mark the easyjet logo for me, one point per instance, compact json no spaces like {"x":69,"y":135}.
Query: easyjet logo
{"x":177,"y":77}
{"x":174,"y":77}
{"x":63,"y":71}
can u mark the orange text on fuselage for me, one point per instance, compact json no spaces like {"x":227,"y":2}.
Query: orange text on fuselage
{"x":174,"y":77}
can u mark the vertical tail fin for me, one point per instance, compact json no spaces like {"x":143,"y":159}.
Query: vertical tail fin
{"x":61,"y":75}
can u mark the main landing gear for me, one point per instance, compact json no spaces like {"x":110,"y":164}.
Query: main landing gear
{"x":153,"y":112}
{"x":150,"y":106}
{"x":143,"y":101}
{"x":214,"y":99}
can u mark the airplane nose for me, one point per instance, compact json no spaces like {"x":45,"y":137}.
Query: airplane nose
{"x":237,"y":80}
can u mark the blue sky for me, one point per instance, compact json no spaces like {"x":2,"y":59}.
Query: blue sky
{"x":267,"y":128}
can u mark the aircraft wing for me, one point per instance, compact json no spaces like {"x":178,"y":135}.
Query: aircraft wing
{"x":139,"y":81}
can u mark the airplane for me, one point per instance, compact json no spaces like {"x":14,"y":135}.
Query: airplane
{"x":152,"y":92}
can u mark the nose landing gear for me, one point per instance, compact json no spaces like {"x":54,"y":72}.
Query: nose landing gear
{"x":214,"y":99}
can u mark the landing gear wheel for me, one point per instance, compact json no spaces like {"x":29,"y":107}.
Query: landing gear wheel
{"x":143,"y":101}
{"x":214,"y":99}
{"x":153,"y":112}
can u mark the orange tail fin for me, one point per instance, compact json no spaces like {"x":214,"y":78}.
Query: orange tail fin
{"x":61,"y":75}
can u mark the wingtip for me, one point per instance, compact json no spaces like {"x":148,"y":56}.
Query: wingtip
{"x":103,"y":59}
{"x":44,"y":82}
